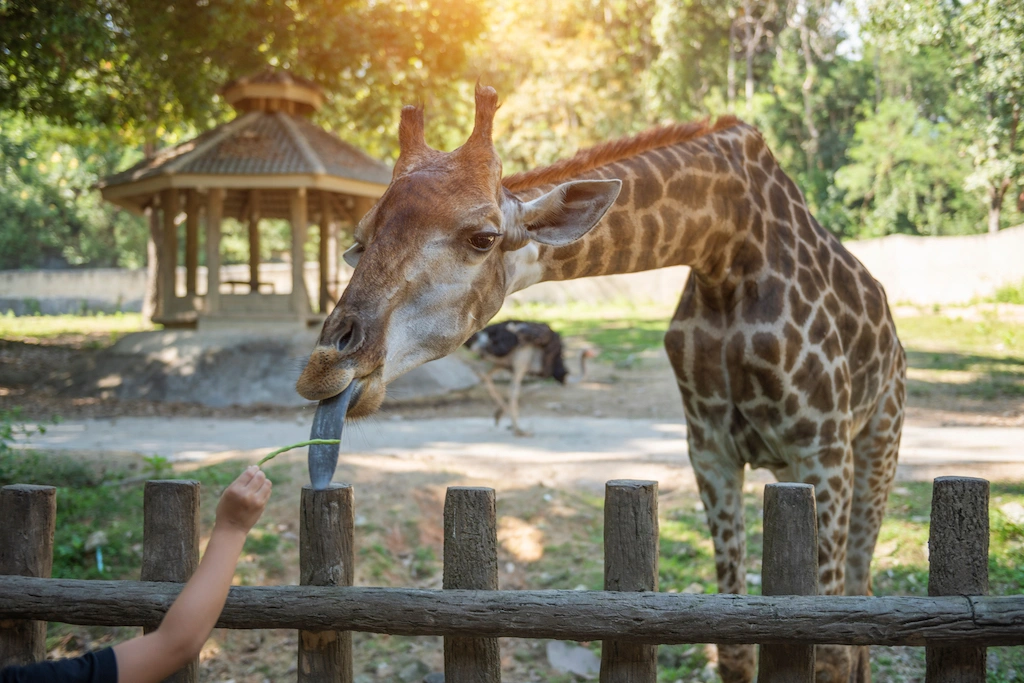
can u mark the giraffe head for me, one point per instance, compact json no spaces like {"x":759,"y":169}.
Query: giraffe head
{"x":435,"y":257}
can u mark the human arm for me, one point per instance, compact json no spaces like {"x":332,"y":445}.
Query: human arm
{"x":191,"y":618}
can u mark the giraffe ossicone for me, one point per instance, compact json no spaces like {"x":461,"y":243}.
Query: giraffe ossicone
{"x":783,"y":347}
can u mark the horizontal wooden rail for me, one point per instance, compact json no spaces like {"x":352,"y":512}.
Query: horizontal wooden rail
{"x":662,"y":618}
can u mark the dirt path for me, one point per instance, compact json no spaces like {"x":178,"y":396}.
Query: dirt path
{"x":583,"y":452}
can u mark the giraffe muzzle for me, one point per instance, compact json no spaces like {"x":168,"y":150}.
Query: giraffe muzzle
{"x":328,"y":423}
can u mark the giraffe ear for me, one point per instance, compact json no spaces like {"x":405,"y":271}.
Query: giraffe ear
{"x":569,"y":211}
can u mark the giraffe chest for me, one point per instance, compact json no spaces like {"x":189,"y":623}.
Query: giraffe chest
{"x":746,"y":391}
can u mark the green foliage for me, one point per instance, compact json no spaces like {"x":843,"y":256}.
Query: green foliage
{"x":906,"y":175}
{"x":621,"y":332}
{"x":49,"y":212}
{"x":83,"y":85}
{"x":99,"y":505}
{"x":261,"y":542}
{"x":1006,"y":567}
{"x":985,"y":80}
{"x":907,"y":126}
{"x":101,"y":328}
{"x":1010,"y":294}
{"x":157,"y":466}
{"x":14,"y":464}
{"x":146,"y":66}
{"x":880,"y":139}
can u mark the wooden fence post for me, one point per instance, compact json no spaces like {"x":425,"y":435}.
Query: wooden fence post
{"x":630,"y":564}
{"x":326,"y":556}
{"x":957,"y":565}
{"x":29,"y":515}
{"x":789,"y":566}
{"x":170,"y":543}
{"x":470,"y":561}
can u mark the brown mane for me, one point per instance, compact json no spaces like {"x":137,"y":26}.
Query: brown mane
{"x":615,"y":150}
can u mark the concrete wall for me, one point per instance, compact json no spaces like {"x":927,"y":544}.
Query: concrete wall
{"x":917,"y":270}
{"x":920,"y":270}
{"x":654,"y":286}
{"x":943,"y":270}
{"x":50,"y":292}
{"x":79,"y":290}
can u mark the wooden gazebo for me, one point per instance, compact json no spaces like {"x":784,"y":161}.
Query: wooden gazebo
{"x":269,"y":162}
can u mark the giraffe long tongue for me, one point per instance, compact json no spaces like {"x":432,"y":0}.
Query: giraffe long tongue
{"x":328,"y":423}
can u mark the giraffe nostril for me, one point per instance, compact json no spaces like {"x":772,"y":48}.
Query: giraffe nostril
{"x":351,"y":337}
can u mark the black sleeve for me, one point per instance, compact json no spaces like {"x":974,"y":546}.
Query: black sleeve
{"x":94,"y":667}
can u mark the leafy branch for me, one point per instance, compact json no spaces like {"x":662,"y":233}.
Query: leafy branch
{"x":311,"y":442}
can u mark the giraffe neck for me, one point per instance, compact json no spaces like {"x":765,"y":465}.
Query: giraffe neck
{"x":687,"y":204}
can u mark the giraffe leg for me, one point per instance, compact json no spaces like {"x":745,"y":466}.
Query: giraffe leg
{"x":721,"y":490}
{"x":875,"y":450}
{"x":830,"y":470}
{"x":520,"y":366}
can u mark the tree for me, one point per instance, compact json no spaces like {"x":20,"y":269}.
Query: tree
{"x":906,"y":175}
{"x":983,"y":40}
{"x":992,"y":80}
{"x":149,"y":65}
{"x":49,"y":213}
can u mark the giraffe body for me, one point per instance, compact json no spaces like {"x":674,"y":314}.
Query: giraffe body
{"x":783,"y":347}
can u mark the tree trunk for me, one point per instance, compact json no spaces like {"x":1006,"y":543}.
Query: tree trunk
{"x":811,"y":146}
{"x":994,"y":213}
{"x":878,"y":78}
{"x":731,"y":69}
{"x":995,"y":206}
{"x":750,"y":47}
{"x":152,"y":293}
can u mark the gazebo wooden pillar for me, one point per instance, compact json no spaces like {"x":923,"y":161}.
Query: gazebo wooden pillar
{"x":254,"y":240}
{"x":214,"y":216}
{"x":169,"y":207}
{"x":191,"y":241}
{"x":299,"y":221}
{"x":328,"y":253}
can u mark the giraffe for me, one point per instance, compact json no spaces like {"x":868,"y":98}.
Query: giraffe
{"x":782,"y":344}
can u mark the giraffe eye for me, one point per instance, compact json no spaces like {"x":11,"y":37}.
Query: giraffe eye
{"x":352,"y":254}
{"x":482,"y":241}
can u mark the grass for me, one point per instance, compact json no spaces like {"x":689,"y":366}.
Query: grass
{"x":622,"y":331}
{"x":979,"y":358}
{"x":1009,"y":294}
{"x":687,"y":563}
{"x":901,"y":568}
{"x":968,"y":358}
{"x":99,"y":327}
{"x":98,"y":505}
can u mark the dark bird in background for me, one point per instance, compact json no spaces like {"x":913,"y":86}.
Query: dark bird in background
{"x":523,"y":348}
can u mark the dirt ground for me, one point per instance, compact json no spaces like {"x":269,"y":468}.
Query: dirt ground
{"x":550,"y":538}
{"x":39,"y":376}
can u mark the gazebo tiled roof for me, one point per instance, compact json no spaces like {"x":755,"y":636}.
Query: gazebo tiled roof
{"x":260,"y":143}
{"x":271,"y":145}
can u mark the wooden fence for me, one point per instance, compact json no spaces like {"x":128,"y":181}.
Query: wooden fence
{"x":629,"y":615}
